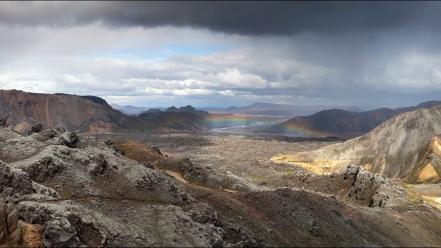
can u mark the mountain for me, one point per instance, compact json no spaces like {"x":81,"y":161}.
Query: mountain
{"x":151,"y":110}
{"x":185,"y":118}
{"x":186,"y":109}
{"x":406,"y":147}
{"x":342,"y":123}
{"x":271,"y":109}
{"x":129,"y":109}
{"x":169,"y":121}
{"x":63,"y":190}
{"x":22,"y":110}
{"x":231,"y":108}
{"x":87,"y":113}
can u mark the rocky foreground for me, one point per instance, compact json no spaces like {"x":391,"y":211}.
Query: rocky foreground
{"x":61,"y":190}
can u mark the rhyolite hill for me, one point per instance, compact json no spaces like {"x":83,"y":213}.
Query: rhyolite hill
{"x":91,"y":114}
{"x":341,"y":123}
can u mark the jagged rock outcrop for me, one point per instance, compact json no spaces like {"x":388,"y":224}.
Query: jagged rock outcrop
{"x":35,"y":128}
{"x":70,"y":139}
{"x":59,"y":195}
{"x":374,"y":190}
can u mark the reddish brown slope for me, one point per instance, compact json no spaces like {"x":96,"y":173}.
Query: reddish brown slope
{"x":86,"y":114}
{"x":23,"y":109}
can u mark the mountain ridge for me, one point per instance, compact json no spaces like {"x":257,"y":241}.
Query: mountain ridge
{"x":22,"y":110}
{"x":342,"y":123}
{"x":406,"y":147}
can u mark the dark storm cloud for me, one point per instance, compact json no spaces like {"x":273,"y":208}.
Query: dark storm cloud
{"x":323,"y":53}
{"x":250,"y":18}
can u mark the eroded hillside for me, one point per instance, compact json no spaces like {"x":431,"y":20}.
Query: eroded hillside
{"x":341,"y":123}
{"x":405,"y":147}
{"x":89,"y":114}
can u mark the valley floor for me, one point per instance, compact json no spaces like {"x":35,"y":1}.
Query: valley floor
{"x":247,"y":156}
{"x":327,"y":214}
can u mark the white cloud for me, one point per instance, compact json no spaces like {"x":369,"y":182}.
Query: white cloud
{"x":227,"y":92}
{"x":175,"y":64}
{"x":409,"y":72}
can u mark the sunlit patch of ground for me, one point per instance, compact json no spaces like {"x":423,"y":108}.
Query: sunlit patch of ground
{"x":436,"y":145}
{"x":427,"y":174}
{"x":319,"y":167}
{"x":430,"y":193}
{"x":432,"y":200}
{"x":176,"y":175}
{"x":430,"y":171}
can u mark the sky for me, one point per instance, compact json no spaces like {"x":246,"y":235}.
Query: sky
{"x":218,"y":54}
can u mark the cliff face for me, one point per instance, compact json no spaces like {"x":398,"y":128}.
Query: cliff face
{"x":22,"y":109}
{"x":84,"y":113}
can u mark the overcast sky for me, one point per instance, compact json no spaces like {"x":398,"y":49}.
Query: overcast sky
{"x":222,"y":54}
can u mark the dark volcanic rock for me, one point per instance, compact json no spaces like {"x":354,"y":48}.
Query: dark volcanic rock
{"x":35,"y":128}
{"x":3,"y":122}
{"x":69,"y":139}
{"x":47,"y":134}
{"x":365,"y":186}
{"x":21,"y":183}
{"x":43,"y":169}
{"x":99,"y":165}
{"x":60,"y":129}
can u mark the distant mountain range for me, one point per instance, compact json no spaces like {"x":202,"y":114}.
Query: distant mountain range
{"x":342,"y":123}
{"x":129,"y":109}
{"x":22,"y":110}
{"x":134,"y":110}
{"x":258,"y":108}
{"x":187,"y":109}
{"x":273,"y":109}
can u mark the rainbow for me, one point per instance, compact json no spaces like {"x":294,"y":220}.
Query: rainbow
{"x":300,"y":130}
{"x":234,"y":120}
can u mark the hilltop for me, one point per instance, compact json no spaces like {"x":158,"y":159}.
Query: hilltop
{"x":406,"y":147}
{"x":341,"y":123}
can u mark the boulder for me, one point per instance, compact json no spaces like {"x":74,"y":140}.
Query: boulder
{"x":46,"y":134}
{"x":69,"y":139}
{"x":60,"y":129}
{"x":3,"y":122}
{"x":98,"y":166}
{"x":366,"y":186}
{"x":36,"y":129}
{"x":43,"y":169}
